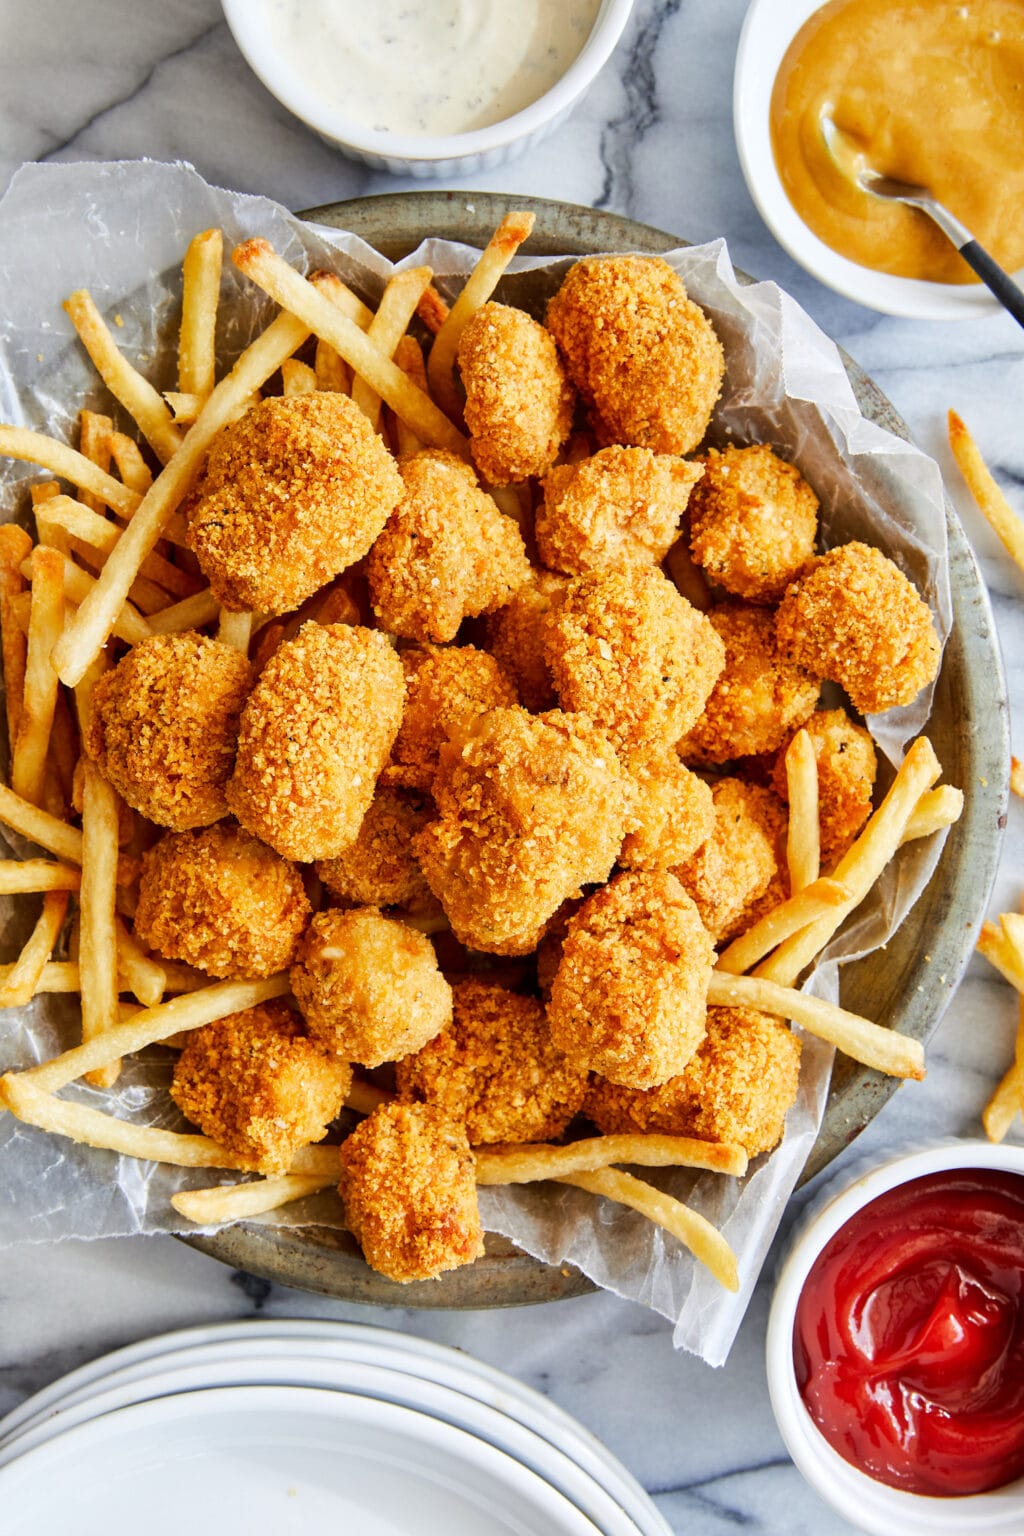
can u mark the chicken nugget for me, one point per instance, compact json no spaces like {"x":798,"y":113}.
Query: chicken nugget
{"x":621,"y":507}
{"x":221,"y":900}
{"x":643,"y":356}
{"x":496,"y":1069}
{"x":517,"y":638}
{"x":753,"y":522}
{"x":292,"y":493}
{"x":446,"y":554}
{"x":315,"y":733}
{"x":853,"y":617}
{"x":736,"y":865}
{"x":625,"y":648}
{"x":847,"y":766}
{"x":530,"y":808}
{"x":380,"y":869}
{"x":369,"y":987}
{"x":737,"y":1087}
{"x":163,"y":727}
{"x":257,"y":1085}
{"x":758,"y":697}
{"x":672,"y":812}
{"x":519,"y":402}
{"x":629,"y":997}
{"x":446,"y":688}
{"x":408,"y":1184}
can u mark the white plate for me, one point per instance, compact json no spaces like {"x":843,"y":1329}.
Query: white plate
{"x":273,"y":1461}
{"x":221,"y":1351}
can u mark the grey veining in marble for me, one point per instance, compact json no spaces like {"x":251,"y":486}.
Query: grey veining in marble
{"x":111,"y":79}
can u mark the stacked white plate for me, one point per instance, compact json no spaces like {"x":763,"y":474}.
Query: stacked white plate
{"x":273,"y":1428}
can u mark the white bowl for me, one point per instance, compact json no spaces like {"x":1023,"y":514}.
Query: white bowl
{"x":459,"y":154}
{"x":768,"y":30}
{"x":869,"y":1505}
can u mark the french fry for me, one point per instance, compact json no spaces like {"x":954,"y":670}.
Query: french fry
{"x":998,"y":942}
{"x":234,"y":1202}
{"x":1017,"y":777}
{"x":131,"y":466}
{"x":330,"y":371}
{"x":862,"y":864}
{"x":937,"y":808}
{"x":534,"y":1160}
{"x":297,"y":378}
{"x":991,"y":502}
{"x":365,"y":1097}
{"x":22,"y":980}
{"x":343,"y":299}
{"x":98,"y":955}
{"x":86,"y":634}
{"x":789,"y":917}
{"x":1005,"y":1104}
{"x":297,"y":296}
{"x":142,"y":402}
{"x":20,"y":877}
{"x":481,"y":283}
{"x":137,"y":972}
{"x":64,"y":746}
{"x":94,"y":432}
{"x":409,"y":357}
{"x":15,"y":545}
{"x":59,"y":459}
{"x":200,"y":296}
{"x":803,"y":837}
{"x":707,"y":1245}
{"x":63,"y":976}
{"x":46,"y":620}
{"x":432,"y":310}
{"x":129,"y":624}
{"x":98,"y":532}
{"x":235,"y":629}
{"x":397,"y":306}
{"x":191,"y":613}
{"x":868,"y":1043}
{"x":53,"y":835}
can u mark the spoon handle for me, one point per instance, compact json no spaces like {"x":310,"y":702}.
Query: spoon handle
{"x":1009,"y":294}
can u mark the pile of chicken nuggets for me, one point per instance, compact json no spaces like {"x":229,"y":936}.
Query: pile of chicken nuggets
{"x":492,"y":789}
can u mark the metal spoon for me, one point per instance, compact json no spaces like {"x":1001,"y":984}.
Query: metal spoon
{"x":851,"y":162}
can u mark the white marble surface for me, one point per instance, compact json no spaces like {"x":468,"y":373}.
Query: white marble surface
{"x":111,"y":79}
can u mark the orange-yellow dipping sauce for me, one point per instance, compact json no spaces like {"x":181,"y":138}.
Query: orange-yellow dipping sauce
{"x":931,"y":93}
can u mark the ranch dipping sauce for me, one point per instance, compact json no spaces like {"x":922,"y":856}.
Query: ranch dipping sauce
{"x":931,"y":93}
{"x":429,"y":67}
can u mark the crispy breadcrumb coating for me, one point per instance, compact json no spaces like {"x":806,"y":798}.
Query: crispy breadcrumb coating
{"x":737,"y":863}
{"x":221,"y":900}
{"x":517,"y":639}
{"x":292,"y":493}
{"x":519,"y":403}
{"x":163,"y":727}
{"x":380,"y":869}
{"x":530,"y":808}
{"x":629,"y":996}
{"x":853,"y":617}
{"x":644,"y":358}
{"x":446,"y":688}
{"x":753,"y":522}
{"x":368,"y":986}
{"x":672,"y":812}
{"x":625,"y":648}
{"x":621,"y":507}
{"x":408,"y":1183}
{"x":315,"y":733}
{"x":446,"y":554}
{"x":495,"y":1069}
{"x":847,"y":766}
{"x":257,"y":1085}
{"x":759,"y":696}
{"x":737,"y":1087}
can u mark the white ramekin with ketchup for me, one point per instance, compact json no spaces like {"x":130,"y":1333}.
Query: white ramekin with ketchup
{"x":895,"y":1348}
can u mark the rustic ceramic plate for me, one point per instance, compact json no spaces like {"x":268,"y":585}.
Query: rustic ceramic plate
{"x":924,"y":960}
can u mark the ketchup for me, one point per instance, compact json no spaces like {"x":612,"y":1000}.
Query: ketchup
{"x":909,"y":1335}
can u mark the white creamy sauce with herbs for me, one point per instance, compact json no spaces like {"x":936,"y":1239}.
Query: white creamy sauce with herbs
{"x":427,"y":67}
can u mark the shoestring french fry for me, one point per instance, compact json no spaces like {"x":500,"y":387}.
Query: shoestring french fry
{"x":234,"y":1202}
{"x":143,"y":403}
{"x":298,"y":296}
{"x":790,"y":916}
{"x":62,"y":976}
{"x":22,"y":979}
{"x":131,"y":466}
{"x":235,"y":629}
{"x":97,"y":954}
{"x":102,"y":535}
{"x":343,"y":299}
{"x":94,"y":431}
{"x":937,"y":808}
{"x":494,"y":259}
{"x":144,"y":595}
{"x":128,"y":625}
{"x":57,"y":837}
{"x":15,"y":545}
{"x":870,"y":1044}
{"x":58,"y":459}
{"x":534,"y":1161}
{"x":137,"y":973}
{"x":396,"y":308}
{"x":191,"y":613}
{"x":991,"y":502}
{"x":863,"y":862}
{"x":22,"y":877}
{"x":409,"y":357}
{"x":697,"y":1234}
{"x":46,"y":621}
{"x":803,"y":838}
{"x":86,"y":634}
{"x":200,"y":297}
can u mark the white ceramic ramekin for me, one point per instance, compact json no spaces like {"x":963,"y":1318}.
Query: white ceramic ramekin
{"x":868,"y":1505}
{"x":768,"y":30}
{"x":460,"y":154}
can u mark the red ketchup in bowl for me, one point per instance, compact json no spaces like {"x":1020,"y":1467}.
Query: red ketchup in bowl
{"x":908,"y":1341}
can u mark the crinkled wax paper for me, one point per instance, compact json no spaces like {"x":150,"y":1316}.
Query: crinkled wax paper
{"x":121,"y":231}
